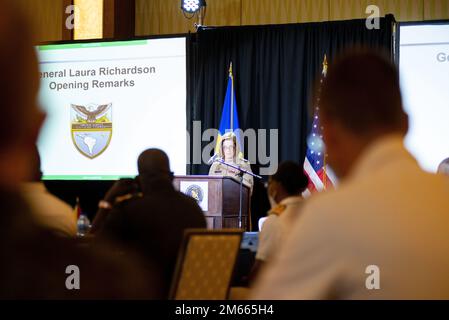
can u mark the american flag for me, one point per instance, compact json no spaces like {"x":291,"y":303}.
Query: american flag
{"x":320,"y":175}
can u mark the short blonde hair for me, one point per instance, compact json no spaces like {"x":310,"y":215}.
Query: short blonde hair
{"x":444,"y":167}
{"x":225,"y":137}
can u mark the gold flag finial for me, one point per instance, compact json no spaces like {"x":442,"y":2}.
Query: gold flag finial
{"x":325,"y":155}
{"x":325,"y":65}
{"x":230,"y":69}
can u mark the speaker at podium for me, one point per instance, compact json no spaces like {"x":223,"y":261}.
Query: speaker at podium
{"x":219,"y":198}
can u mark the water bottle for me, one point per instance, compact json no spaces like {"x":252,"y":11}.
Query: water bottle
{"x":83,"y":225}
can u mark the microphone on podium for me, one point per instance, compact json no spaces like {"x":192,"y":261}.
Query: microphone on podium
{"x":213,"y":158}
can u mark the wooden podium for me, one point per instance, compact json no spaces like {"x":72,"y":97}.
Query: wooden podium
{"x":219,"y":198}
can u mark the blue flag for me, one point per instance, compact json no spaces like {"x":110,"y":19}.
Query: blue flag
{"x":229,"y":118}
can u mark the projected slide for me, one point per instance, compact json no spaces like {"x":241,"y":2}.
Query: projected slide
{"x":106,"y":102}
{"x":424,"y":72}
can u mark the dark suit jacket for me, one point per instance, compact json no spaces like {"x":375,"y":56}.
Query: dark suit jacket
{"x":154,"y":224}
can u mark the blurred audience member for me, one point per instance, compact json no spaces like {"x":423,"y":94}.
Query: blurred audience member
{"x":35,"y":263}
{"x":48,"y":210}
{"x":260,"y":204}
{"x":443,"y":167}
{"x":284,"y":191}
{"x":384,"y":233}
{"x":153,"y":221}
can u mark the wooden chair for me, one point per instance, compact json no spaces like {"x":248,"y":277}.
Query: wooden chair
{"x":205,"y":264}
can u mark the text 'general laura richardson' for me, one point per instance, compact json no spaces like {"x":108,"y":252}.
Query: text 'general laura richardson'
{"x":95,"y":83}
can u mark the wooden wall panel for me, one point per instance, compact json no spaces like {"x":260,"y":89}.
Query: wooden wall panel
{"x":46,"y":17}
{"x":172,"y":19}
{"x":313,"y":10}
{"x":404,"y":10}
{"x":261,"y":12}
{"x":288,"y":11}
{"x":147,"y":17}
{"x":223,"y":13}
{"x":165,"y":16}
{"x":348,"y":9}
{"x":436,"y":9}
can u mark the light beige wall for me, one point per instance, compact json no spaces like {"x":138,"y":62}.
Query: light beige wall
{"x":88,"y":19}
{"x":165,"y":16}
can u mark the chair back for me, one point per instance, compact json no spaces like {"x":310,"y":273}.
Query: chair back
{"x":205,"y":264}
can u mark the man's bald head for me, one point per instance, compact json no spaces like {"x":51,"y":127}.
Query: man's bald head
{"x":19,"y":84}
{"x":360,"y":102}
{"x":154,"y":163}
{"x":361,"y":92}
{"x":443,"y":168}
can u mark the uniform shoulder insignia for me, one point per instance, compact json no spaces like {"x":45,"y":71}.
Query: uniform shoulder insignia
{"x":278,"y":210}
{"x":127,"y":197}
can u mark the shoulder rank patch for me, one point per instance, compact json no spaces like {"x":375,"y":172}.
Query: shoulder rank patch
{"x":278,"y":210}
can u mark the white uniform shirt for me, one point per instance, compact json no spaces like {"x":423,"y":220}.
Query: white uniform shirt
{"x":388,"y":213}
{"x":48,"y":210}
{"x":275,"y":227}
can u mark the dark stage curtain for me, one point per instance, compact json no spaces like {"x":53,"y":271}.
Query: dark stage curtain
{"x":275,"y":68}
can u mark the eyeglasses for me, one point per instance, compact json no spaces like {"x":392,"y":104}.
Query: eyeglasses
{"x":228,"y":147}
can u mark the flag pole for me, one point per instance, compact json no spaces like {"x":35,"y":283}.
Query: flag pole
{"x":325,"y":154}
{"x":232,"y":97}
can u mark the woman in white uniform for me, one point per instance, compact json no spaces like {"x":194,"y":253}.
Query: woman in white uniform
{"x":284,"y":191}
